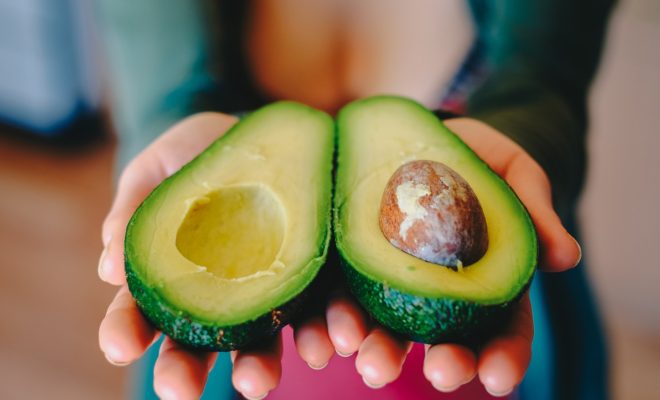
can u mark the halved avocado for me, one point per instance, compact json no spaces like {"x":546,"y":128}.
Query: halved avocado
{"x":221,"y":253}
{"x":422,"y":301}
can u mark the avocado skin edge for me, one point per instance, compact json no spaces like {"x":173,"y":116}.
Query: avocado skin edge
{"x":191,"y":332}
{"x":198,"y":334}
{"x":430,"y":320}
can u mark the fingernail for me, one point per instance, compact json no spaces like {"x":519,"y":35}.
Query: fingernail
{"x":102,"y":264}
{"x":345,"y":355}
{"x":445,"y":389}
{"x":450,"y":388}
{"x":263,"y":396}
{"x":115,"y":363}
{"x":167,"y":394}
{"x":499,"y":394}
{"x":371,"y":385}
{"x":579,"y":252}
{"x":318,"y":367}
{"x":247,"y":385}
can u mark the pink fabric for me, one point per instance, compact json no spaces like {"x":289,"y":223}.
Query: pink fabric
{"x":340,"y":380}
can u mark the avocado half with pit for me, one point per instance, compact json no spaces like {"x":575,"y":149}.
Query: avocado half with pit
{"x":423,"y":301}
{"x":222,"y":253}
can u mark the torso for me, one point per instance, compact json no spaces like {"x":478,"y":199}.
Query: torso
{"x":327,"y":52}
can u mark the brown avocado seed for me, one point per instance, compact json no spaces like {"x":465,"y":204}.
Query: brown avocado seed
{"x":430,"y":212}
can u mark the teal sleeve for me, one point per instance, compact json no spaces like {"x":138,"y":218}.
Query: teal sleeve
{"x":157,"y":56}
{"x":541,"y":56}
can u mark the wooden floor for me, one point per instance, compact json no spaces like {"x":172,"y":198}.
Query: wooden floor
{"x":52,"y":202}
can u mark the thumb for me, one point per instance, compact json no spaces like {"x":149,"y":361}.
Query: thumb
{"x":559,"y":250}
{"x":136,"y":182}
{"x":177,"y":146}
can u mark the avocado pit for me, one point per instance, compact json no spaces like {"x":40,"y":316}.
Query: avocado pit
{"x":430,"y":212}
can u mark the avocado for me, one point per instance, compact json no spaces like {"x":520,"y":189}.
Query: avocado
{"x":223,"y":252}
{"x":420,"y":300}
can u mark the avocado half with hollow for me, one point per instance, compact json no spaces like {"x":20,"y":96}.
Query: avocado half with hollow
{"x":221,"y":253}
{"x":424,"y":301}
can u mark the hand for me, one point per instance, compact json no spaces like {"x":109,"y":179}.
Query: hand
{"x":503,"y":361}
{"x":124,"y":334}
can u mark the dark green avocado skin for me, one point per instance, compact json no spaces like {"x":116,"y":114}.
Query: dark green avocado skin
{"x":415,"y":317}
{"x":197,"y":334}
{"x":429,"y":320}
{"x":200,"y":335}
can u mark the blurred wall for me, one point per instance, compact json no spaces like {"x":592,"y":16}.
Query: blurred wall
{"x":620,"y":205}
{"x":621,"y":219}
{"x":48,"y":74}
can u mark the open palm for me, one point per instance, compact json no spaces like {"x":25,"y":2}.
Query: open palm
{"x":124,"y":334}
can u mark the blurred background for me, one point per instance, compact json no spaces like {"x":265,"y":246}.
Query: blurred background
{"x":56,"y":184}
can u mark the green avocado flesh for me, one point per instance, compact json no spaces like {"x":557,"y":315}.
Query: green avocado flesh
{"x":420,"y":300}
{"x":221,"y":253}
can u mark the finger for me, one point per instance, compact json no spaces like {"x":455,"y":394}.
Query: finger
{"x":258,"y":371}
{"x":135,"y":183}
{"x":180,"y":373}
{"x":381,"y":357}
{"x":347,"y":325}
{"x":124,"y":334}
{"x":161,"y":159}
{"x":504,"y":360}
{"x":313,"y":343}
{"x":449,"y":366}
{"x":559,"y":250}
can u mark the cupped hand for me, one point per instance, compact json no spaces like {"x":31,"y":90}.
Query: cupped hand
{"x":502,"y":362}
{"x":124,"y":334}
